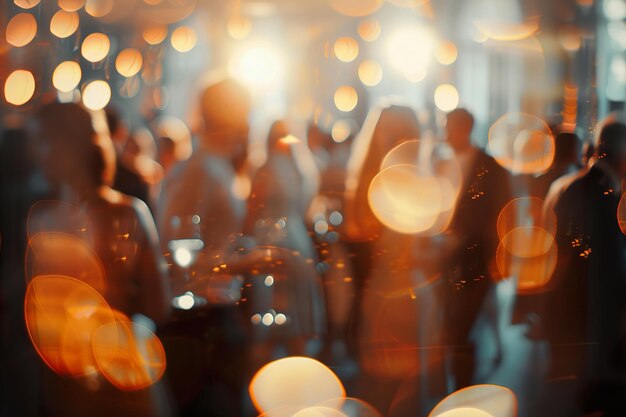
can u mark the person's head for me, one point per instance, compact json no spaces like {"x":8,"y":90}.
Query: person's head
{"x":278,"y":130}
{"x":567,"y":149}
{"x":459,"y":125}
{"x":225,"y":108}
{"x":611,"y":143}
{"x":71,"y":150}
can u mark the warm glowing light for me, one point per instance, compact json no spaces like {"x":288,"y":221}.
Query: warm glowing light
{"x":409,"y":50}
{"x":570,"y":38}
{"x":341,"y":130}
{"x":507,"y":31}
{"x":369,"y":30}
{"x":239,"y":27}
{"x":129,"y":62}
{"x":99,"y":8}
{"x":527,"y":242}
{"x":185,"y":301}
{"x":621,"y":213}
{"x":465,"y":412}
{"x":446,"y":97}
{"x":356,"y":8}
{"x":182,"y":257}
{"x":21,"y":29}
{"x":129,"y":355}
{"x":19,"y":87}
{"x":95,"y":47}
{"x":269,"y":281}
{"x":64,"y":24}
{"x":521,"y":143}
{"x":280,"y":319}
{"x":295,"y":381}
{"x":71,"y":5}
{"x":26,"y":4}
{"x":525,"y":212}
{"x":184,"y":39}
{"x":267,"y":319}
{"x":96,"y":95}
{"x":257,"y":66}
{"x":66,"y":76}
{"x":406,"y":200}
{"x":346,"y":98}
{"x":346,"y":49}
{"x":493,"y":400}
{"x":446,"y":53}
{"x":55,"y":253}
{"x":319,"y":411}
{"x":62,"y":315}
{"x":155,"y":34}
{"x":370,"y":73}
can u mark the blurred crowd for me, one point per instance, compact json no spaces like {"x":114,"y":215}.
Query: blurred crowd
{"x":234,"y":265}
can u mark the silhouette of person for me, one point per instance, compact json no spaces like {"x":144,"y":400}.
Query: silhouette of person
{"x":585,"y":315}
{"x":485,"y":191}
{"x":567,"y":160}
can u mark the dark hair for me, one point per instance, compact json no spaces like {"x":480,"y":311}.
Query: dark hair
{"x":611,"y":141}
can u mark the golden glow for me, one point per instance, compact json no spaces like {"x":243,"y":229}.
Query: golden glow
{"x":295,"y":381}
{"x":99,"y":8}
{"x":525,"y":211}
{"x":155,"y":34}
{"x":71,"y":5}
{"x":465,"y":412}
{"x":532,"y":272}
{"x":19,"y":87}
{"x":129,"y":355}
{"x":446,"y":53}
{"x":621,"y":213}
{"x":570,"y":38}
{"x":370,"y":73}
{"x":184,"y":39}
{"x":96,"y":95}
{"x":341,"y":130}
{"x":239,"y":27}
{"x":319,"y":411}
{"x":129,"y":62}
{"x":446,"y":97}
{"x":257,"y":65}
{"x":61,"y":315}
{"x":521,"y":143}
{"x":346,"y":98}
{"x":21,"y":29}
{"x":64,"y":24}
{"x":26,"y":4}
{"x":493,"y":400}
{"x":507,"y":31}
{"x":346,"y":49}
{"x":356,"y":8}
{"x":410,"y":49}
{"x":54,"y":253}
{"x":369,"y":30}
{"x":66,"y":76}
{"x":95,"y":47}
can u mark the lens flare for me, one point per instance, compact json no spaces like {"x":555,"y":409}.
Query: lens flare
{"x":410,"y":49}
{"x":21,"y":29}
{"x":19,"y":87}
{"x":258,"y":66}
{"x":521,"y":143}
{"x":129,"y":355}
{"x":64,"y":24}
{"x":493,"y":400}
{"x":95,"y":47}
{"x":295,"y":381}
{"x":62,"y":314}
{"x":66,"y":76}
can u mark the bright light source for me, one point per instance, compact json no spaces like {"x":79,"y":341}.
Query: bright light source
{"x":96,"y":95}
{"x":446,"y":97}
{"x":257,"y":66}
{"x":182,"y":257}
{"x":410,"y":49}
{"x":185,"y":301}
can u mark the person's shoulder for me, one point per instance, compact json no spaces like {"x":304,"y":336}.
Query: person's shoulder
{"x":117,"y":200}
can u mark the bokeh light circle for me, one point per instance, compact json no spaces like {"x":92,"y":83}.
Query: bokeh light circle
{"x":239,"y":27}
{"x":21,"y":29}
{"x":295,"y":381}
{"x":494,"y":400}
{"x":346,"y":98}
{"x":99,"y":8}
{"x":71,"y":5}
{"x":26,"y":4}
{"x":96,"y":95}
{"x":521,"y":143}
{"x":356,"y":8}
{"x":446,"y":53}
{"x":19,"y":87}
{"x":64,"y":24}
{"x":621,"y":213}
{"x":525,"y":212}
{"x":369,"y":30}
{"x":346,"y":49}
{"x":129,"y":62}
{"x":95,"y":47}
{"x":184,"y":39}
{"x":446,"y":97}
{"x":154,"y":34}
{"x":66,"y":76}
{"x":370,"y":73}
